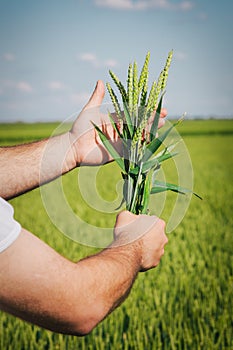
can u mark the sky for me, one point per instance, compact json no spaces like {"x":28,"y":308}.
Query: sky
{"x":52,"y":52}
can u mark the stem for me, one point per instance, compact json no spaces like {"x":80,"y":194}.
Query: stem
{"x":136,"y":189}
{"x":129,"y":192}
{"x":146,"y":193}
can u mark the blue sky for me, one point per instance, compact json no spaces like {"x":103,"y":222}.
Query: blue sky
{"x":52,"y":53}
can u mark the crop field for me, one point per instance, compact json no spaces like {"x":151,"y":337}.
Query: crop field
{"x":186,"y":303}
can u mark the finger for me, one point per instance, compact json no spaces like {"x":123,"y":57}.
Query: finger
{"x":97,"y":96}
{"x":161,"y":123}
{"x":163,"y":113}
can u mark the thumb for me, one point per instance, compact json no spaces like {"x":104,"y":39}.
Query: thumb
{"x":124,"y":218}
{"x":130,"y":227}
{"x":97,"y":96}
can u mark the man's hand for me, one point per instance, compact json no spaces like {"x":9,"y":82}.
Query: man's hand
{"x":27,"y":166}
{"x":86,"y":145}
{"x":145,"y":234}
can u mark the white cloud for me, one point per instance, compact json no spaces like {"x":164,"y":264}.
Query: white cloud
{"x":183,"y":5}
{"x":89,"y":57}
{"x":23,"y":86}
{"x":110,"y":63}
{"x":56,"y":85}
{"x":117,"y":4}
{"x":9,"y":57}
{"x":95,"y":61}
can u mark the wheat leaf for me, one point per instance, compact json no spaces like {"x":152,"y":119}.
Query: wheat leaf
{"x":152,"y":147}
{"x":152,"y":163}
{"x":154,"y":126}
{"x":165,"y":186}
{"x":168,"y":149}
{"x":146,"y":194}
{"x":121,"y":203}
{"x":115,"y":155}
{"x":166,"y":156}
{"x":114,"y":125}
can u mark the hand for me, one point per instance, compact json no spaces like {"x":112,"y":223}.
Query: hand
{"x":145,"y":234}
{"x":86,"y":145}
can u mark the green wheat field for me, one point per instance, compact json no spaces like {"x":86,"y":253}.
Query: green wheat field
{"x":187,"y":301}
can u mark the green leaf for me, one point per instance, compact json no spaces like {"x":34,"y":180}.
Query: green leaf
{"x":165,"y":186}
{"x":145,"y":166}
{"x":121,"y":203}
{"x":167,"y":149}
{"x":114,"y":125}
{"x":150,"y":164}
{"x":154,"y":126}
{"x":166,"y":156}
{"x":110,"y":148}
{"x":146,"y":193}
{"x":136,"y":189}
{"x":134,"y":170}
{"x":152,"y":147}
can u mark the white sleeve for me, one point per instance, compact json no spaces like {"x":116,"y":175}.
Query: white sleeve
{"x":9,"y":228}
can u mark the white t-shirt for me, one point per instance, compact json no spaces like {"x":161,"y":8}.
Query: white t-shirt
{"x":9,"y":228}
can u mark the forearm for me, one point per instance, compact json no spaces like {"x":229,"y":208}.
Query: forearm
{"x":107,"y":280}
{"x":25,"y":167}
{"x":44,"y":288}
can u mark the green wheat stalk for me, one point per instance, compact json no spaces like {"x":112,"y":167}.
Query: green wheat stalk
{"x":140,"y":161}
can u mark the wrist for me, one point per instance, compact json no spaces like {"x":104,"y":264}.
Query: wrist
{"x":75,"y":159}
{"x":71,"y":159}
{"x":129,"y":254}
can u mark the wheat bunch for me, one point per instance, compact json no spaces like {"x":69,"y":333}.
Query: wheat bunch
{"x":139,"y":162}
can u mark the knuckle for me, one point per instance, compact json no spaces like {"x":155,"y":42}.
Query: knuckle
{"x":162,"y":223}
{"x":165,"y":239}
